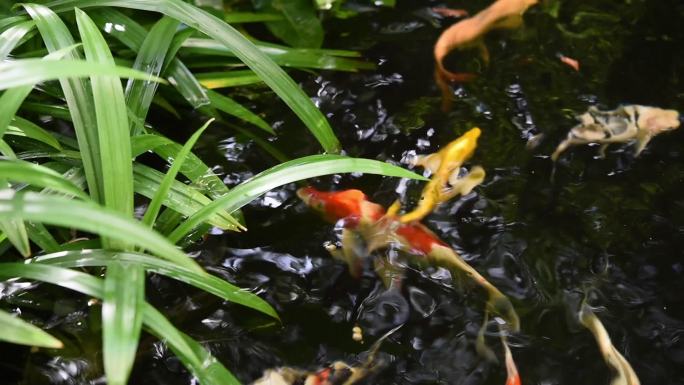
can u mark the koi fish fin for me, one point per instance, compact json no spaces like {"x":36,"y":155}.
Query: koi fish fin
{"x":353,"y":252}
{"x":443,"y":164}
{"x":390,"y":273}
{"x":464,"y":185}
{"x":642,"y":141}
{"x":481,"y":345}
{"x":624,"y":374}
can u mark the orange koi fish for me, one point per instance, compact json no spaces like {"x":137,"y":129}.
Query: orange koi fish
{"x":379,"y":229}
{"x":502,"y":14}
{"x":368,"y":227}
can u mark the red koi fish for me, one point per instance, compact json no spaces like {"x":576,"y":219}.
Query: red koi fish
{"x":358,"y":213}
{"x":380,"y":228}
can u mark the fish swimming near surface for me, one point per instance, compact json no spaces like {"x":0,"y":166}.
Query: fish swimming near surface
{"x":337,"y":373}
{"x":368,"y":227}
{"x":502,"y":14}
{"x":630,"y":123}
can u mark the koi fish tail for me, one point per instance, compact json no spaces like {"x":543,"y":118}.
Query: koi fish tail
{"x":624,"y":374}
{"x":513,"y":377}
{"x":497,"y":302}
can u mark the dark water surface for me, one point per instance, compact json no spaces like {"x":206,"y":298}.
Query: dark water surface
{"x":612,"y":229}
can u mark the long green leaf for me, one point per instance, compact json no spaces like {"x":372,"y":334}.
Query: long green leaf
{"x":11,"y":37}
{"x":260,"y":63}
{"x":189,"y":351}
{"x":31,"y":71}
{"x":288,"y":172}
{"x":187,"y":84}
{"x":11,"y":100}
{"x":40,"y":235}
{"x":6,"y":150}
{"x":21,"y":332}
{"x":194,"y":168}
{"x":122,"y":310}
{"x":234,"y":78}
{"x":16,"y":233}
{"x":37,"y":175}
{"x":250,"y":17}
{"x":124,"y":285}
{"x":150,"y":59}
{"x":204,"y":281}
{"x":285,"y":56}
{"x":156,"y":202}
{"x":134,"y":36}
{"x":28,"y":129}
{"x":112,"y":123}
{"x":231,"y":107}
{"x":181,"y":198}
{"x":78,"y":96}
{"x":89,"y":217}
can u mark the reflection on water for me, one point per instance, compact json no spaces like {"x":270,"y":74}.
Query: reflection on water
{"x":545,"y":235}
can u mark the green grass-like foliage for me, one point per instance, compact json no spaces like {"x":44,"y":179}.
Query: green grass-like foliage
{"x":60,"y":61}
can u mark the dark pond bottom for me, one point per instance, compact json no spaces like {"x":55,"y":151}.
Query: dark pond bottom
{"x":609,"y":229}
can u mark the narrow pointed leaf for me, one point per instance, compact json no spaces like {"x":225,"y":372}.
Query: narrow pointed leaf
{"x":11,"y":37}
{"x":133,"y":37}
{"x":28,"y":129}
{"x":81,"y":109}
{"x":181,"y":198}
{"x":151,"y":57}
{"x":204,"y":281}
{"x":194,"y":168}
{"x":40,"y":235}
{"x":17,"y":331}
{"x":122,"y":310}
{"x":188,"y":351}
{"x":11,"y":100}
{"x":6,"y":150}
{"x":292,"y":171}
{"x":16,"y":233}
{"x":234,"y":78}
{"x":260,"y":63}
{"x":89,"y":217}
{"x":31,"y":71}
{"x":231,"y":107}
{"x":156,"y":202}
{"x":37,"y":175}
{"x":112,"y":123}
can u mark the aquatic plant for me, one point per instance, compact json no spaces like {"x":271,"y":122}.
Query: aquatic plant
{"x":78,"y":166}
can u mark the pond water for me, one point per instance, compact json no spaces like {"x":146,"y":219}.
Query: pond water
{"x":547,"y":235}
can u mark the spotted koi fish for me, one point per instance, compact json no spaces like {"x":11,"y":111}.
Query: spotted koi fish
{"x":632,"y":123}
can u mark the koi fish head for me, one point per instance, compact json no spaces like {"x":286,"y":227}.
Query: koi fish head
{"x":657,"y":120}
{"x":352,"y":205}
{"x":465,"y":145}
